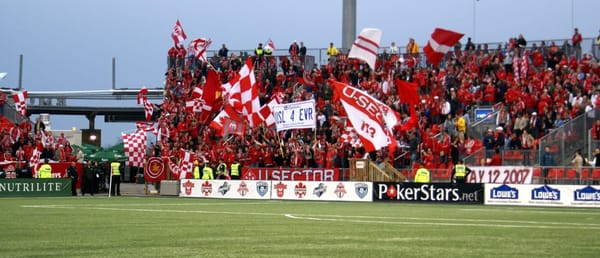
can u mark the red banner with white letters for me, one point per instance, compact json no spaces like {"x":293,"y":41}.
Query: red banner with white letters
{"x":291,"y":174}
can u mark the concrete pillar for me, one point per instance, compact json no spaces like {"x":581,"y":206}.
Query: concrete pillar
{"x":348,"y":24}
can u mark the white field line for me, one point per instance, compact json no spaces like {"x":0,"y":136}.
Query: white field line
{"x":466,"y":222}
{"x":549,"y":210}
{"x":425,"y":222}
{"x":141,"y":204}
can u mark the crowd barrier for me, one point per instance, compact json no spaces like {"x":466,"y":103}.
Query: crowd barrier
{"x":278,"y":190}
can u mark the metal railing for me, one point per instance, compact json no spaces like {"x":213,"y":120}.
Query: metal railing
{"x":574,"y":135}
{"x":320,"y":54}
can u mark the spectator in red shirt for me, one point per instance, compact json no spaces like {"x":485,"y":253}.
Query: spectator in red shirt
{"x":576,"y":40}
{"x":496,"y":159}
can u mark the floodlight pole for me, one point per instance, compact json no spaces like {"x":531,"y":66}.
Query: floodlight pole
{"x":348,"y":23}
{"x":20,"y":71}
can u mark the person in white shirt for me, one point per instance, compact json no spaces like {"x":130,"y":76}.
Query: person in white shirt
{"x":393,"y":49}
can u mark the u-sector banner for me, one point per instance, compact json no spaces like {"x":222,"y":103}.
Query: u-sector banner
{"x":227,"y":189}
{"x":35,"y":187}
{"x":297,"y":115}
{"x":291,"y":174}
{"x":434,"y":192}
{"x":543,"y":195}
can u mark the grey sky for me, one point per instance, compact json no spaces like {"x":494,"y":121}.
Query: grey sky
{"x":69,"y":44}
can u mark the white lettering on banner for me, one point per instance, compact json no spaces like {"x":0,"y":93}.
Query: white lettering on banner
{"x":297,"y":115}
{"x":292,"y":174}
{"x":423,"y":193}
{"x":501,"y":175}
{"x":40,"y":186}
{"x":364,"y":102}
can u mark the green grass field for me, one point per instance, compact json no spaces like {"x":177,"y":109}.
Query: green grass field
{"x":178,"y":227}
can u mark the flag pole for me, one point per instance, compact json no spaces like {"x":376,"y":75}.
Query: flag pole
{"x":279,"y":142}
{"x":110,"y":183}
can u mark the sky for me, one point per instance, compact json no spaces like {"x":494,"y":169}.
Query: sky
{"x":69,"y":44}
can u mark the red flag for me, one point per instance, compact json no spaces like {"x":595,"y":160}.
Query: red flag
{"x":232,"y":126}
{"x":220,"y":121}
{"x":20,"y":99}
{"x":212,"y":91}
{"x":199,"y":47}
{"x":306,"y":80}
{"x":178,"y":34}
{"x":408,"y":92}
{"x":154,"y":170}
{"x":439,"y":44}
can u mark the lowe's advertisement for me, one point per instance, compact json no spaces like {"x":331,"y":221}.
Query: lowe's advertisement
{"x":543,"y":195}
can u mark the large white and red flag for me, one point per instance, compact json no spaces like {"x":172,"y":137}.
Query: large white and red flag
{"x":142,"y":99}
{"x":199,"y":47}
{"x":178,"y":34}
{"x":366,"y":45}
{"x":134,"y":146}
{"x":439,"y":44}
{"x":372,"y":119}
{"x":186,"y":164}
{"x":20,"y":99}
{"x":241,"y":92}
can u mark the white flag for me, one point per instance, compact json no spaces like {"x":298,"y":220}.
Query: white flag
{"x":366,"y":45}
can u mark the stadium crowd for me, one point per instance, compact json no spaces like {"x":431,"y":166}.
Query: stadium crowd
{"x":538,"y":87}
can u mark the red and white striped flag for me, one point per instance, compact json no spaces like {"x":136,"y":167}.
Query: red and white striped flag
{"x":178,"y":34}
{"x":366,"y":45}
{"x":371,"y":118}
{"x":242,"y":93}
{"x":199,"y":47}
{"x":186,"y":164}
{"x":439,"y":44}
{"x":134,"y":146}
{"x":20,"y":99}
{"x":143,"y":100}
